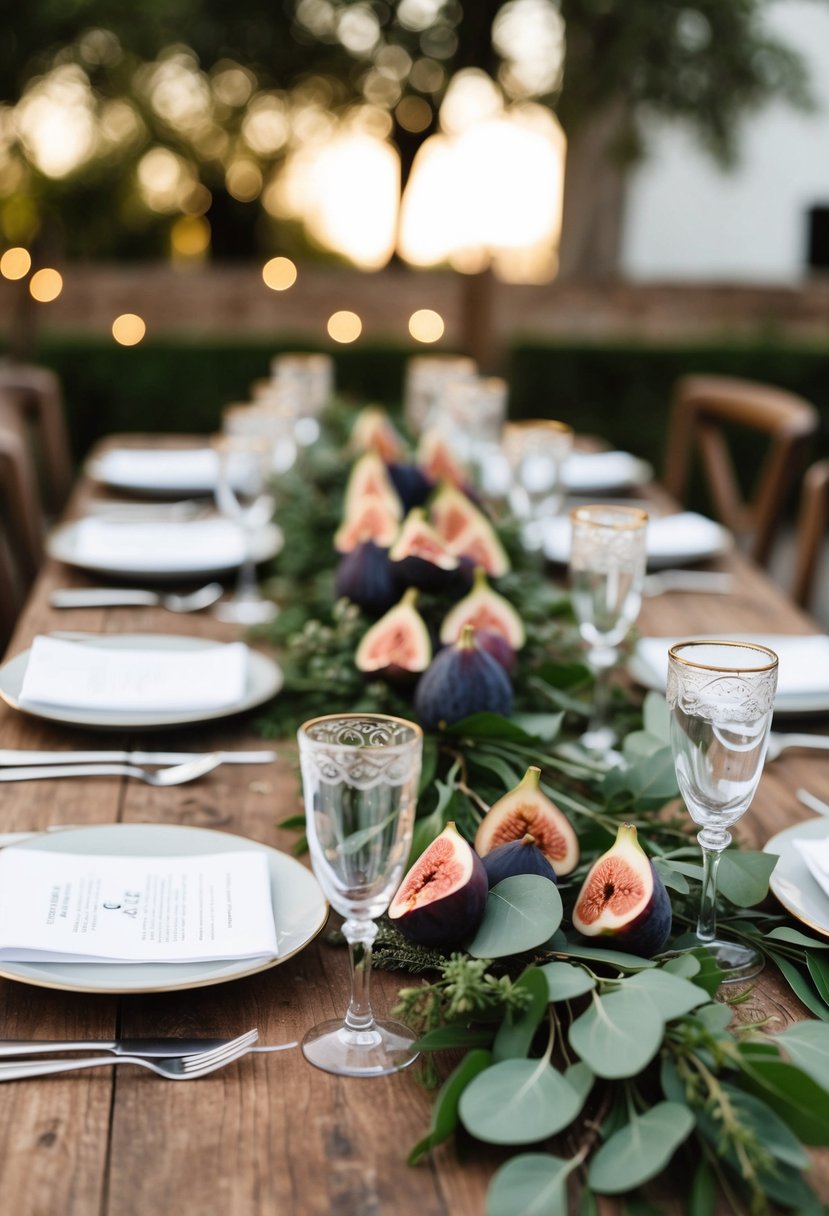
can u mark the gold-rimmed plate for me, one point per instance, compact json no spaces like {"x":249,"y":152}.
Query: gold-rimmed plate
{"x":791,"y":880}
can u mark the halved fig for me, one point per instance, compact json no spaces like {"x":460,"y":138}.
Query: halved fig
{"x":374,"y":431}
{"x":398,"y":644}
{"x":411,"y":483}
{"x":479,"y":544}
{"x":452,"y":511}
{"x":517,"y":857}
{"x":421,"y":558}
{"x":623,"y":900}
{"x":437,"y":460}
{"x":369,"y":520}
{"x":528,"y":809}
{"x":486,"y":609}
{"x":369,"y":479}
{"x":441,"y":900}
{"x":461,"y":680}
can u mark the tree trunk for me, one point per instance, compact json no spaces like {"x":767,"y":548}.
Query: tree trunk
{"x":594,"y":196}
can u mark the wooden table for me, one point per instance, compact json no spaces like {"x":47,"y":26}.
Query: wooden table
{"x":269,"y":1135}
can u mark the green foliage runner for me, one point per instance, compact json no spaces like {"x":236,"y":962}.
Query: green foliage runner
{"x":631,"y":1064}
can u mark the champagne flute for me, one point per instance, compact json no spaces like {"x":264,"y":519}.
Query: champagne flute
{"x":244,"y":467}
{"x":721,"y":697}
{"x":607,"y":571}
{"x":360,"y":775}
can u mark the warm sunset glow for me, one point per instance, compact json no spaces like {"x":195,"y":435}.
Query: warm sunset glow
{"x":344,"y":326}
{"x":426,"y":325}
{"x":15,"y":263}
{"x":128,"y":329}
{"x":279,"y":274}
{"x":46,"y":285}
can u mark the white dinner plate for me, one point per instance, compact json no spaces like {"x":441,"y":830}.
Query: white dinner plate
{"x":649,"y":666}
{"x":791,"y":881}
{"x":264,"y":680}
{"x":63,"y":544}
{"x":299,"y":909}
{"x":604,"y":472}
{"x":156,"y":472}
{"x":671,"y":540}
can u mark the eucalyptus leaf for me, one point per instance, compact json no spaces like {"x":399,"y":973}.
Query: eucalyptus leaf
{"x":489,"y":726}
{"x":598,"y":954}
{"x":686,"y":965}
{"x":521,"y":914}
{"x":790,"y":1093}
{"x":640,"y":1150}
{"x":581,"y":1078}
{"x":358,"y":840}
{"x":671,"y":876}
{"x":618,"y":1034}
{"x":516,"y":1032}
{"x":702,"y":1200}
{"x":566,"y":981}
{"x":819,"y":971}
{"x":743,"y":876}
{"x":518,"y":1102}
{"x":782,"y":933}
{"x":656,"y":717}
{"x":506,"y":774}
{"x":534,"y":1184}
{"x":445,"y":1109}
{"x":672,"y":995}
{"x":445,"y":1038}
{"x":802,"y":987}
{"x":807,"y":1045}
{"x":756,"y":1113}
{"x":715,"y":1017}
{"x":652,"y":778}
{"x":546,"y":727}
{"x":638,"y":745}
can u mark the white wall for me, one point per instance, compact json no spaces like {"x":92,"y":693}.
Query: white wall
{"x":689,"y":219}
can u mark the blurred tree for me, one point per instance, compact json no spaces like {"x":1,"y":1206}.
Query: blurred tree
{"x":605,"y":66}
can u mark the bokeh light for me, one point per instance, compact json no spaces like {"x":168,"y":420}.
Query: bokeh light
{"x":15,"y":263}
{"x":344,"y":326}
{"x":46,"y":285}
{"x":279,"y":274}
{"x":190,"y":239}
{"x":426,"y":325}
{"x":128,"y":329}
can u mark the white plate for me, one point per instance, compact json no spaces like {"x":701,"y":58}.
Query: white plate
{"x":604,"y":472}
{"x":672,"y":540}
{"x":264,"y":680}
{"x":299,"y":909}
{"x":788,"y":701}
{"x":63,"y":544}
{"x":156,"y":472}
{"x":792,"y":883}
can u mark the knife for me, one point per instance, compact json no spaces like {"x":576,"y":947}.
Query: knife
{"x":10,"y":757}
{"x":121,"y":1047}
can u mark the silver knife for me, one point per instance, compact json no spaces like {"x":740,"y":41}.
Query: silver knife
{"x":9,"y":757}
{"x":121,"y":1047}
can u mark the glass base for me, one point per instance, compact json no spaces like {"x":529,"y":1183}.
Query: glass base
{"x":385,"y":1048}
{"x":737,"y":962}
{"x":246,"y":612}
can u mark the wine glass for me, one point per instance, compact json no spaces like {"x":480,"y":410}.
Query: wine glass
{"x":244,"y":468}
{"x":360,"y":775}
{"x":607,"y":570}
{"x":536,"y":451}
{"x":721,"y":697}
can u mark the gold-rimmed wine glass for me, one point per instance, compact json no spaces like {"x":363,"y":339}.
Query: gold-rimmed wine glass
{"x":721,"y":698}
{"x":536,"y":450}
{"x":242,"y":496}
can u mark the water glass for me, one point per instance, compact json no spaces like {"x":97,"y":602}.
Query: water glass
{"x":360,"y":775}
{"x":425,"y":378}
{"x":536,"y":451}
{"x":242,"y":496}
{"x":721,"y":697}
{"x":607,"y":571}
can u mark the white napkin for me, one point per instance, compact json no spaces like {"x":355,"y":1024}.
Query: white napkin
{"x":671,"y":538}
{"x":202,"y":544}
{"x":189,"y":470}
{"x":80,"y":675}
{"x":583,"y":471}
{"x":816,"y":855}
{"x":804,"y":660}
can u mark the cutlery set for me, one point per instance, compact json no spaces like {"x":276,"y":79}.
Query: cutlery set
{"x":177,"y":767}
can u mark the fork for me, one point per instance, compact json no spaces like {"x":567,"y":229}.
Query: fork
{"x":779,"y":742}
{"x":177,"y":774}
{"x":127,"y":597}
{"x":174,"y":1068}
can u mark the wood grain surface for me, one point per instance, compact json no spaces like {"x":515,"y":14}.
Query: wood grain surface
{"x":269,"y":1135}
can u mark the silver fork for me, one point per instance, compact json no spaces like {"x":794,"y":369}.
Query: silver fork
{"x":177,"y":774}
{"x":175,"y":1068}
{"x":779,"y":742}
{"x":128,"y":597}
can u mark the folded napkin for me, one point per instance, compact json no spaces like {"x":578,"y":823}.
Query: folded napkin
{"x":159,"y":545}
{"x":583,"y":471}
{"x":804,"y":660}
{"x":189,"y":470}
{"x":816,"y":855}
{"x":81,"y":675}
{"x":683,"y":537}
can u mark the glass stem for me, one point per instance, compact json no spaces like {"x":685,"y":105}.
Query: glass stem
{"x":601,"y":661}
{"x":712,"y":845}
{"x":246,"y":586}
{"x":360,"y":935}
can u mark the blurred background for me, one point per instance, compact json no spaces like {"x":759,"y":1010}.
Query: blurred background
{"x":591,"y":197}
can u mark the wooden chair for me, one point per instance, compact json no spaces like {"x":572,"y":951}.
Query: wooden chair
{"x":21,"y":529}
{"x":31,"y":404}
{"x":706,"y":411}
{"x":811,"y":537}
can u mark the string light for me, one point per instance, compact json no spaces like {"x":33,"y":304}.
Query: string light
{"x":279,"y":274}
{"x":426,"y":325}
{"x":128,"y":329}
{"x":344,"y":326}
{"x":46,"y":285}
{"x":15,"y":263}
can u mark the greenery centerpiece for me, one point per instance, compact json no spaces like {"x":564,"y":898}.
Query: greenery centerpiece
{"x":622,"y":1059}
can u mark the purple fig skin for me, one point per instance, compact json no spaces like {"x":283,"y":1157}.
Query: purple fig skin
{"x":461,"y":680}
{"x":644,"y":932}
{"x":517,"y":857}
{"x":498,"y":646}
{"x":365,"y":576}
{"x":411,"y":483}
{"x":447,"y":920}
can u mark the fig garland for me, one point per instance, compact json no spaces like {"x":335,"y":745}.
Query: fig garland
{"x":645,"y":1084}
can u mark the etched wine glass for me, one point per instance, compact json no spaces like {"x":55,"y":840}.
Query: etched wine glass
{"x":721,"y":696}
{"x":607,"y":570}
{"x":242,"y":496}
{"x":360,"y":775}
{"x":536,"y":450}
